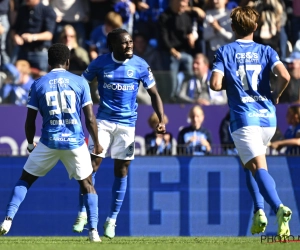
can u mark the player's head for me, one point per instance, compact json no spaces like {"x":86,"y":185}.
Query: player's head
{"x":196,"y":116}
{"x":120,"y":43}
{"x":244,"y":20}
{"x":59,"y":56}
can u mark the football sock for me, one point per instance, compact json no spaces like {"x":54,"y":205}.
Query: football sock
{"x":18,"y":195}
{"x":82,"y":208}
{"x":267,"y":188}
{"x":91,"y":203}
{"x":118,"y":194}
{"x":257,"y":198}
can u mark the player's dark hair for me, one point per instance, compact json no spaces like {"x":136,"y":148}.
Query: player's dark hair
{"x":58,"y":54}
{"x":244,"y":20}
{"x":114,"y":35}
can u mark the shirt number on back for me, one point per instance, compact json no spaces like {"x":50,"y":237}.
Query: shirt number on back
{"x":63,"y":101}
{"x":242,"y":73}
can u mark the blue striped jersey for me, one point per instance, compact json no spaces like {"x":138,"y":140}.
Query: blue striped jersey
{"x":118,"y":84}
{"x":59,"y":96}
{"x":246,"y":67}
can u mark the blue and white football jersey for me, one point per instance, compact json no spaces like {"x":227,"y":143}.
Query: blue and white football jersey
{"x":60,"y":96}
{"x":118,"y":84}
{"x":246,"y":67}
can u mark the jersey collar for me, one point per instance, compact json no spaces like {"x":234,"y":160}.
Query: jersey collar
{"x":58,"y":69}
{"x":244,"y":41}
{"x":115,"y":60}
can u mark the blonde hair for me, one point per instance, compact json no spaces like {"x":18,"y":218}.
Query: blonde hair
{"x":196,"y":107}
{"x":244,"y":20}
{"x":153,"y":120}
{"x":63,"y":34}
{"x":114,"y":20}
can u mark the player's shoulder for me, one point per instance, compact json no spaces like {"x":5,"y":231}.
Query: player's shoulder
{"x":136,"y":60}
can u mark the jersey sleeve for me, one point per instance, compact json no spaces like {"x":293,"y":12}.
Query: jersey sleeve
{"x":218,"y":63}
{"x":32,"y":100}
{"x":273,"y":58}
{"x":146,"y":76}
{"x":86,"y":95}
{"x":91,"y":72}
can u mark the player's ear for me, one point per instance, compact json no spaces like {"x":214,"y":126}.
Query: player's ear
{"x":255,"y":27}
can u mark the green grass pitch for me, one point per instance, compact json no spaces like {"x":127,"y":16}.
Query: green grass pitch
{"x":141,"y":243}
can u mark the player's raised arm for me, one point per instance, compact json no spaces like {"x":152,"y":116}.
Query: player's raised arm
{"x":282,"y":80}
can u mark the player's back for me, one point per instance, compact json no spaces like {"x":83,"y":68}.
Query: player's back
{"x":247,"y":66}
{"x":59,"y":96}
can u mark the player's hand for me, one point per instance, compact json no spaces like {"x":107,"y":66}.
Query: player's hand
{"x":160,"y":128}
{"x":31,"y":147}
{"x":98,"y":149}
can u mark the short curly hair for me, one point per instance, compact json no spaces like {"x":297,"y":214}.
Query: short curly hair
{"x":58,"y":54}
{"x":112,"y":36}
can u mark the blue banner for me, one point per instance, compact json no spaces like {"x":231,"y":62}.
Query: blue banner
{"x":166,"y":196}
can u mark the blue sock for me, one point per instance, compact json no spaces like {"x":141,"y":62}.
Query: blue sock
{"x":17,"y":197}
{"x":82,"y":207}
{"x":267,"y":188}
{"x":257,"y":198}
{"x":91,"y":203}
{"x":118,"y":194}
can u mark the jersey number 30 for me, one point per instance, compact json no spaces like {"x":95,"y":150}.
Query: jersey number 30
{"x":63,"y":101}
{"x":242,"y":73}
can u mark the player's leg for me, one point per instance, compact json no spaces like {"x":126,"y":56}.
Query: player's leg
{"x":104,"y":135}
{"x":259,"y":220}
{"x":122,"y":150}
{"x":118,"y":193}
{"x":18,"y":195}
{"x":39,"y":162}
{"x":78,"y":164}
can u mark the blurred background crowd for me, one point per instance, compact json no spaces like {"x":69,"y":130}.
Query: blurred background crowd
{"x":177,"y":38}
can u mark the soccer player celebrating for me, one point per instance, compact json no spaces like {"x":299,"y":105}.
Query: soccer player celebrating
{"x":119,"y":74}
{"x":59,"y":96}
{"x":243,"y":69}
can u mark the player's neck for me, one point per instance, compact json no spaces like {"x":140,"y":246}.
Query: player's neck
{"x":249,"y":37}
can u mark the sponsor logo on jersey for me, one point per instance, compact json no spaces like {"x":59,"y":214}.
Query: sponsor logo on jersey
{"x":118,"y":86}
{"x":62,"y":82}
{"x":62,"y":139}
{"x":108,"y":75}
{"x":254,"y":98}
{"x":247,"y":57}
{"x":261,"y":113}
{"x":130,"y":73}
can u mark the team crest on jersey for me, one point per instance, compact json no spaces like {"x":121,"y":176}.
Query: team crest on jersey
{"x":130,"y":73}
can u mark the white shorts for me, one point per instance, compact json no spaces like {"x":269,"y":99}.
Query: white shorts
{"x":77,"y":161}
{"x":119,"y":139}
{"x":252,"y":141}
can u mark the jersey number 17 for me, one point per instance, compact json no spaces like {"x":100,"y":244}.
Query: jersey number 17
{"x":242,"y":73}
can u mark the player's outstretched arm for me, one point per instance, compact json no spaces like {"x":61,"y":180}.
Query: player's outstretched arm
{"x":30,"y":127}
{"x":216,"y":81}
{"x":282,"y":80}
{"x":91,"y":125}
{"x":158,"y":108}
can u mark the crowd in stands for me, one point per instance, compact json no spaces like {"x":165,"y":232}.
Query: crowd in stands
{"x":177,"y":38}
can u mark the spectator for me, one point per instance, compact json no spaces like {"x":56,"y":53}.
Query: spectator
{"x":158,"y":144}
{"x":292,"y":135}
{"x":15,"y":91}
{"x":98,"y":43}
{"x":79,"y":58}
{"x":72,"y":12}
{"x":176,"y":39}
{"x":216,"y":27}
{"x":33,"y":33}
{"x":4,"y":29}
{"x":269,"y":23}
{"x":292,"y":92}
{"x":296,"y":20}
{"x":227,"y":144}
{"x":197,"y":90}
{"x":194,"y":139}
